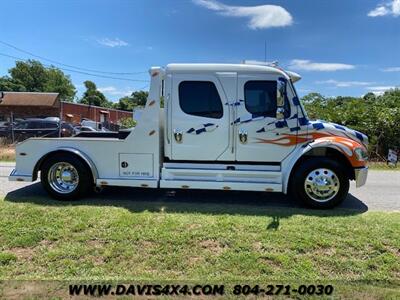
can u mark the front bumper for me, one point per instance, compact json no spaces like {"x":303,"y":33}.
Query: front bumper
{"x":361,"y":175}
{"x":14,"y":176}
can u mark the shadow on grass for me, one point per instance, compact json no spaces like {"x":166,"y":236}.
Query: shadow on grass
{"x":275,"y":205}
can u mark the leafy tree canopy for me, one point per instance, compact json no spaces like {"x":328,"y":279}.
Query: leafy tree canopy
{"x":92,"y":96}
{"x":32,"y":76}
{"x":8,"y":85}
{"x":376,"y":116}
{"x":137,"y":99}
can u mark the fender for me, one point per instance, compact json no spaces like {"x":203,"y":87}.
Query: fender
{"x":343,"y":145}
{"x":83,"y":156}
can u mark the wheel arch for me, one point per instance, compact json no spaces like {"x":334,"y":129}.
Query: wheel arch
{"x":322,"y":151}
{"x":82,"y":156}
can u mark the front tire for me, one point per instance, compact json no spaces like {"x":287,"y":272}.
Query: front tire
{"x":320,"y":182}
{"x":65,"y":177}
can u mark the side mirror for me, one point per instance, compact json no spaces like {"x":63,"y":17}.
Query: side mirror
{"x":280,"y":99}
{"x":280,"y":113}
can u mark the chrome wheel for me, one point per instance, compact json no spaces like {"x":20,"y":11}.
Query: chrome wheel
{"x":322,"y":185}
{"x":63,"y":177}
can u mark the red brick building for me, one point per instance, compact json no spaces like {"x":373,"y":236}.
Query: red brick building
{"x":75,"y":112}
{"x":34,"y":105}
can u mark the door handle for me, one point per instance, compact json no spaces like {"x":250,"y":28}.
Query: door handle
{"x":243,"y":136}
{"x":178,"y":135}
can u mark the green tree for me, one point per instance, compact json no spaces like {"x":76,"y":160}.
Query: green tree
{"x":129,"y":103}
{"x":125,"y":103}
{"x":127,"y":123}
{"x":92,"y":96}
{"x":376,"y":116}
{"x":139,"y":98}
{"x":58,"y":82}
{"x":32,"y":76}
{"x":8,"y":85}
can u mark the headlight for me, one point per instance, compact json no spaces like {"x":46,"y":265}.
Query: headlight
{"x":361,"y":154}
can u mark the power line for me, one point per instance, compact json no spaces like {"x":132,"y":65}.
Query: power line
{"x":66,"y":65}
{"x":80,"y":72}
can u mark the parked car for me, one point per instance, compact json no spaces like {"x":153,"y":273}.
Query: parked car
{"x":79,"y":129}
{"x":3,"y":124}
{"x":5,"y":128}
{"x":37,"y":128}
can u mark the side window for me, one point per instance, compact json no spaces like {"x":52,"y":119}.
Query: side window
{"x":35,"y":125}
{"x":200,"y":98}
{"x":260,"y":98}
{"x":49,"y":125}
{"x":21,"y":125}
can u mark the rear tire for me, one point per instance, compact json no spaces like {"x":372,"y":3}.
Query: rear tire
{"x":66,"y":177}
{"x":320,"y":182}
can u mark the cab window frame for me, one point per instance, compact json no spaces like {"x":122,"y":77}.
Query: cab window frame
{"x":220,"y":113}
{"x":272,"y":112}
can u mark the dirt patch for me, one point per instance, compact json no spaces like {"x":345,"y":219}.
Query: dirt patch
{"x":270,"y":262}
{"x":23,"y":253}
{"x":194,"y":226}
{"x":194,"y":260}
{"x":16,"y":290}
{"x":147,"y":244}
{"x":97,"y":260}
{"x":95,"y":244}
{"x":213,"y":246}
{"x":325,"y":252}
{"x":257,"y":246}
{"x":395,"y":251}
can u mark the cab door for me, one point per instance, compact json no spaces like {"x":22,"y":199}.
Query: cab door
{"x":260,"y":136}
{"x":200,"y":119}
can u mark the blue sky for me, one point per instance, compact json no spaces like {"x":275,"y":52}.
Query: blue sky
{"x":339,"y":47}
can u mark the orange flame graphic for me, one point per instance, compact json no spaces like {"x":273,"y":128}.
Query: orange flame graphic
{"x":292,"y":139}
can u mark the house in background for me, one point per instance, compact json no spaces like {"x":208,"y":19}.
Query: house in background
{"x":40,"y":105}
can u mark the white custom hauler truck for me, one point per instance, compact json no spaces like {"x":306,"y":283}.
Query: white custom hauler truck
{"x":223,"y":127}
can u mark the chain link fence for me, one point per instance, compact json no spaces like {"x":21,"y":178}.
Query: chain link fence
{"x":16,"y":128}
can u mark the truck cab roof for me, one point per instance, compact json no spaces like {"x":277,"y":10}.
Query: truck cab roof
{"x":243,"y":68}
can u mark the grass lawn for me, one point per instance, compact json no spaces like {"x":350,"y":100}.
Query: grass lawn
{"x":383,"y":166}
{"x":200,"y":242}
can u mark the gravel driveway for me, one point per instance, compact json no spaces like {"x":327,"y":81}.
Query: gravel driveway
{"x":382,"y":192}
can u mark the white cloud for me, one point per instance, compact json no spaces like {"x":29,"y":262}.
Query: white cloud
{"x":116,"y":42}
{"x":391,"y":69}
{"x":389,"y":8}
{"x":344,"y":83}
{"x":261,"y":16}
{"x":307,"y":65}
{"x":378,"y":12}
{"x":113,"y":91}
{"x":380,"y":90}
